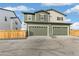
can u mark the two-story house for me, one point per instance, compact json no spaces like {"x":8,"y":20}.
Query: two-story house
{"x":9,"y":20}
{"x":46,"y":23}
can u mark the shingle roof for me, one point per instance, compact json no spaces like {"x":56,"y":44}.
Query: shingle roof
{"x":56,"y":11}
{"x":42,"y":11}
{"x":28,"y":13}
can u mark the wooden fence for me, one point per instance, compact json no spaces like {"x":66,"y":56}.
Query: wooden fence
{"x":8,"y":34}
{"x":74,"y":32}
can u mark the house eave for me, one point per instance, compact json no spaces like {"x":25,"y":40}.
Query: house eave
{"x":28,"y":13}
{"x":42,"y":11}
{"x":56,"y":11}
{"x":48,"y":23}
{"x":13,"y":12}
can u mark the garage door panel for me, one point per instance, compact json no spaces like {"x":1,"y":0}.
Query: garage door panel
{"x":38,"y":30}
{"x":59,"y":30}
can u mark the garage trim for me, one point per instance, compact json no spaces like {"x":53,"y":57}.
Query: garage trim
{"x":61,"y":26}
{"x":40,"y":25}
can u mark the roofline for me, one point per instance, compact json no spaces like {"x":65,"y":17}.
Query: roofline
{"x":42,"y":11}
{"x":17,"y":17}
{"x":48,"y":23}
{"x":13,"y":12}
{"x":6,"y":9}
{"x":28,"y":13}
{"x":56,"y":11}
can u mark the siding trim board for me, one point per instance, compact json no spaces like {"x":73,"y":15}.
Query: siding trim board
{"x":48,"y":23}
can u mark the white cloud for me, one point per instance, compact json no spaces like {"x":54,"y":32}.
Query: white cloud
{"x":75,"y":26}
{"x":19,"y":8}
{"x":68,"y":20}
{"x":55,"y":4}
{"x":73,"y":9}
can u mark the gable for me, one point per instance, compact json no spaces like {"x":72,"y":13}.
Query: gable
{"x":56,"y":11}
{"x":8,"y":13}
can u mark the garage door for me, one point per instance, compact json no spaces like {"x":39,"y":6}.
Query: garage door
{"x":38,"y":30}
{"x":59,"y":30}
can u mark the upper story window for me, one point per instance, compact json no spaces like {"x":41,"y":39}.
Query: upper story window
{"x":42,"y":17}
{"x":60,"y":18}
{"x":29,"y":17}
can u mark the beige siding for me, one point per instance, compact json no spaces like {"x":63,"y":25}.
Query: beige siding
{"x":54,"y":15}
{"x":37,"y":17}
{"x":26,"y":17}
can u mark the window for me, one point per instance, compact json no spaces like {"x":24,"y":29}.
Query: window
{"x":59,"y":18}
{"x":42,"y":17}
{"x":29,"y":17}
{"x":5,"y":18}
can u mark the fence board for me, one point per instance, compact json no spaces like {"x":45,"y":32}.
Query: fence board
{"x":5,"y":34}
{"x":74,"y":32}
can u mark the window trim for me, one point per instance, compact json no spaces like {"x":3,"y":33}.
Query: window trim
{"x":43,"y":15}
{"x":59,"y":18}
{"x":30,"y":16}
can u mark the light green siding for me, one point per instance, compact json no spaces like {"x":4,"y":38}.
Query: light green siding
{"x":48,"y":29}
{"x":60,"y":30}
{"x":37,"y":30}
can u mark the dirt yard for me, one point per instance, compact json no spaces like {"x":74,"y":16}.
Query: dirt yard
{"x":40,"y":46}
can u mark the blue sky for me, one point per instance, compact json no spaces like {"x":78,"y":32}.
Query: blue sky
{"x":70,"y":9}
{"x":38,"y":6}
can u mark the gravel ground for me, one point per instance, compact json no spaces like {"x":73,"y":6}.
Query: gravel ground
{"x":40,"y":46}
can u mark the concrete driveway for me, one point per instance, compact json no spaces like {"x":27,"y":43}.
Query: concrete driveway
{"x":40,"y":46}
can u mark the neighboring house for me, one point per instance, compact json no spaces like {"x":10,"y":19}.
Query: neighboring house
{"x":9,"y":20}
{"x":46,"y":23}
{"x":23,"y":26}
